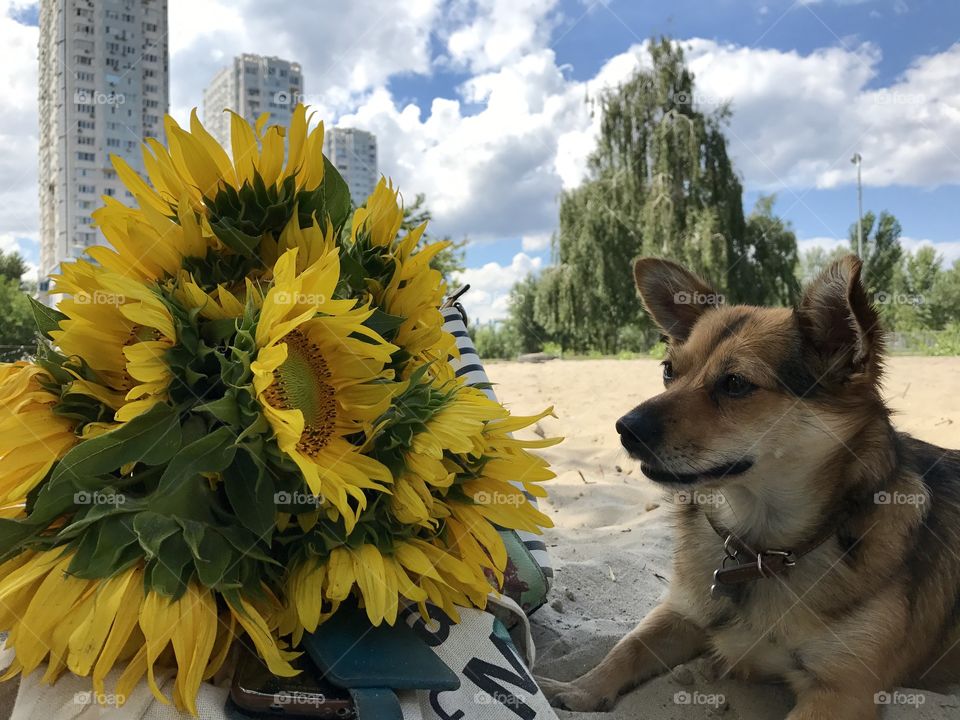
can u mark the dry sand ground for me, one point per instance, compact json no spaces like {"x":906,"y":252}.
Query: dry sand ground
{"x":613,"y":553}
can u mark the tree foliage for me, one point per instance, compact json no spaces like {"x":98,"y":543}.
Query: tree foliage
{"x":882,"y":251}
{"x":17,"y":326}
{"x":660,"y":182}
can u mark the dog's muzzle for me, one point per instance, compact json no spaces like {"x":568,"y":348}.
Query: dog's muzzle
{"x":641,"y":431}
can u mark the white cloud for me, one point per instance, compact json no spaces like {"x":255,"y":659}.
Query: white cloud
{"x":494,"y":156}
{"x":490,"y":286}
{"x":18,"y":132}
{"x":797,"y":119}
{"x":344,"y":53}
{"x":536,"y":242}
{"x":949,"y":249}
{"x":500,"y":31}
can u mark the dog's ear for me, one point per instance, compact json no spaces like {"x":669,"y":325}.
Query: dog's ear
{"x":840,"y":324}
{"x":674,"y":297}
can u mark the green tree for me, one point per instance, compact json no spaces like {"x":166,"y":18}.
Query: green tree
{"x":17,"y":327}
{"x":660,"y":182}
{"x":882,"y":252}
{"x":815,"y":260}
{"x":774,"y":258}
{"x":529,"y":333}
{"x":911,"y":304}
{"x":448,"y":261}
{"x":12,"y":266}
{"x":496,"y":341}
{"x":946,"y":297}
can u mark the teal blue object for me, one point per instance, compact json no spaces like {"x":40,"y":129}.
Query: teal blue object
{"x":352,"y":653}
{"x":376,"y":703}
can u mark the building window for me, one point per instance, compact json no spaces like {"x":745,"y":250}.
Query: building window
{"x":113,"y":142}
{"x":89,"y":156}
{"x":86,"y":188}
{"x":84,"y":140}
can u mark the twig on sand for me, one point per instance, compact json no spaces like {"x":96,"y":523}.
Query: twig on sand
{"x":585,"y":481}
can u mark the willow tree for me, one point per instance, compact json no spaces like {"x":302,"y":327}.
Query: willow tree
{"x":660,"y":182}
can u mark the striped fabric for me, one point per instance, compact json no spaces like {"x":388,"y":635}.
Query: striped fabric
{"x":468,"y":366}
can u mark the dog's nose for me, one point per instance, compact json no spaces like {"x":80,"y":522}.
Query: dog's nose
{"x":641,"y":430}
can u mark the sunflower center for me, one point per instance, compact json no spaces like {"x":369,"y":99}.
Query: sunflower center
{"x":302,"y":383}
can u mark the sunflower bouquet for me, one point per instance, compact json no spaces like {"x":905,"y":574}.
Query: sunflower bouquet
{"x":241,"y":415}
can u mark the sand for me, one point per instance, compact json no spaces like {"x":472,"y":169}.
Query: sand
{"x":612,"y":544}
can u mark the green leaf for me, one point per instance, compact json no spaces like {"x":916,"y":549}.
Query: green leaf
{"x":251,"y":494}
{"x":224,"y":409}
{"x":114,"y":538}
{"x":168,"y":573}
{"x":211,"y":453}
{"x":336,"y":194}
{"x":152,"y":529}
{"x":193,"y":532}
{"x":151,"y":438}
{"x":215,"y":557}
{"x":384,"y":323}
{"x":47,"y":318}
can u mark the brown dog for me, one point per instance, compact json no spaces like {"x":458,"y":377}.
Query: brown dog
{"x":814,"y":544}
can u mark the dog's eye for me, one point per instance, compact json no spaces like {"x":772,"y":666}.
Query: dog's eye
{"x":667,"y":371}
{"x":736,"y":385}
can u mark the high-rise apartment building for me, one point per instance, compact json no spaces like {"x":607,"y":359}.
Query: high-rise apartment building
{"x":103,"y":90}
{"x":250,"y":86}
{"x":354,"y":153}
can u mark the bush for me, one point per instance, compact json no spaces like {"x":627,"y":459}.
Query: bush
{"x":496,"y":341}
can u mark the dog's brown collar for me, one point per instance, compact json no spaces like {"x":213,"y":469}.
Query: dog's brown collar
{"x":738,"y":568}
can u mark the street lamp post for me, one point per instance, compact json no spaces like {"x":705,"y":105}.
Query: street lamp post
{"x":857,"y":160}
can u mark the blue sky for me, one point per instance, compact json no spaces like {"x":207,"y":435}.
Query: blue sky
{"x":480,"y":104}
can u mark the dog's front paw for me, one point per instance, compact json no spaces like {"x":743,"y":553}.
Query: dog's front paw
{"x":570,"y":696}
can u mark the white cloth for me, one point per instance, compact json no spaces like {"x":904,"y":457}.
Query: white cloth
{"x":495,"y":682}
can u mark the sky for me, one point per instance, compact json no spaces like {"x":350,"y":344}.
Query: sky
{"x":483,"y":105}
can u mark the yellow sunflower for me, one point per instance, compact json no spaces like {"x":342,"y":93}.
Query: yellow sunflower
{"x":414,"y":570}
{"x":196,"y":166}
{"x":319,"y":377}
{"x":121,"y":330}
{"x":495,"y":492}
{"x":32,"y":437}
{"x":90,"y":626}
{"x":147,"y":243}
{"x":415,"y":291}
